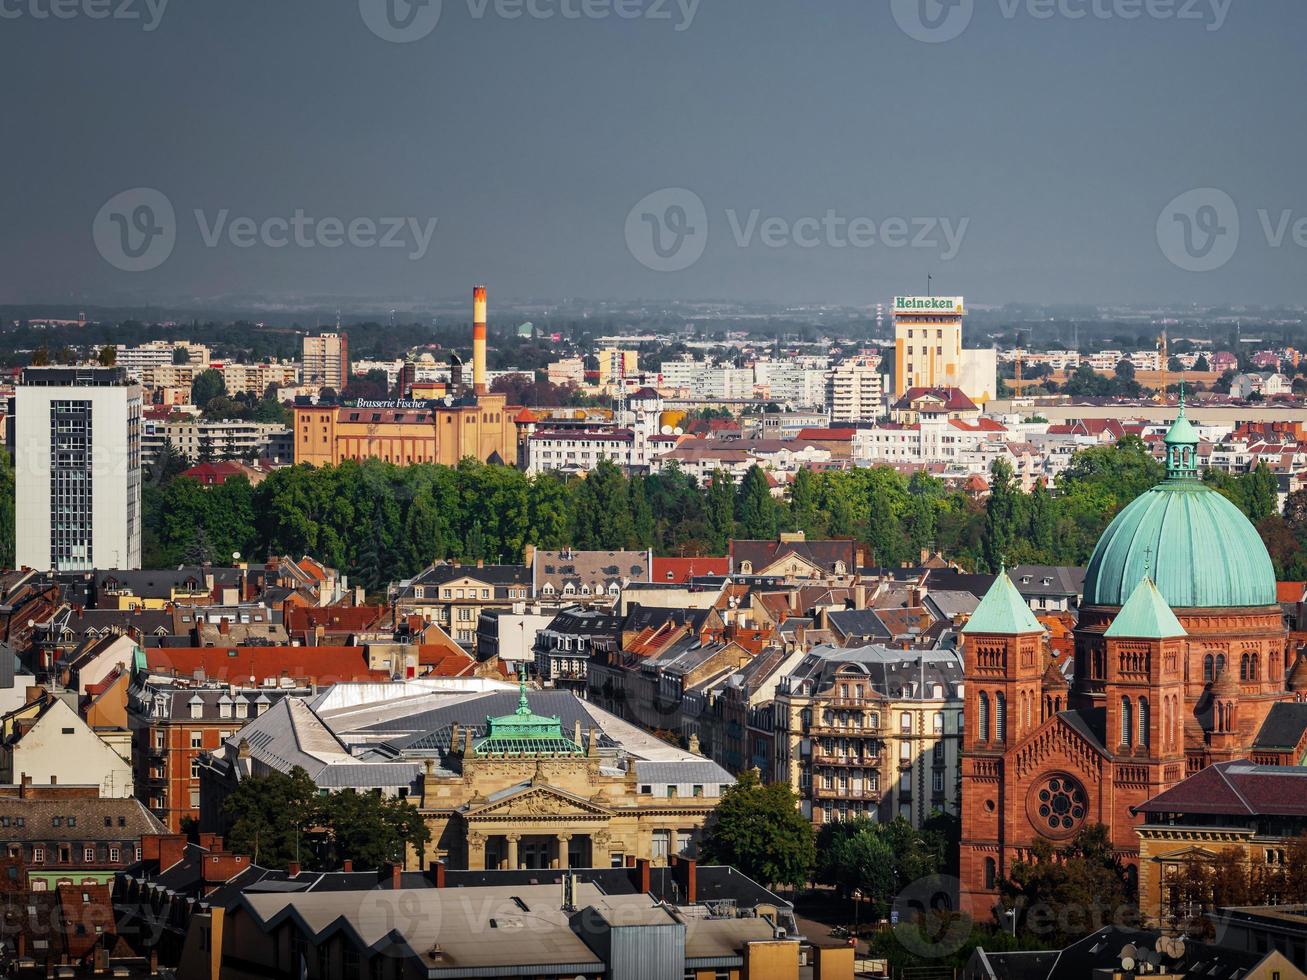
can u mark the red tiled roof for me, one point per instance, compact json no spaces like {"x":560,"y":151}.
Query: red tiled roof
{"x":316,"y":665}
{"x":681,"y":570}
{"x":953,"y":399}
{"x":336,"y":619}
{"x":445,"y":662}
{"x":1236,"y":788}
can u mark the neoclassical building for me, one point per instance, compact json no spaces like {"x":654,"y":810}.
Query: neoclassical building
{"x":504,"y":778}
{"x":1180,"y":654}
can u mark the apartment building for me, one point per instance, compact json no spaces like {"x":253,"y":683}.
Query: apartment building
{"x":856,"y":391}
{"x":871,"y":732}
{"x":454,"y":596}
{"x":75,"y":434}
{"x":198,"y":439}
{"x":326,"y":361}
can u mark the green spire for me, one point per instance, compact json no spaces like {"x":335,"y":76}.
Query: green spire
{"x":1182,"y":446}
{"x":1003,"y":611}
{"x":1145,"y":616}
{"x":523,"y":706}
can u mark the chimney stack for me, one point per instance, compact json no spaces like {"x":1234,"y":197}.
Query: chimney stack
{"x":479,"y":340}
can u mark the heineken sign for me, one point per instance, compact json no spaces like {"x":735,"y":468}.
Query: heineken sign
{"x":928,"y":304}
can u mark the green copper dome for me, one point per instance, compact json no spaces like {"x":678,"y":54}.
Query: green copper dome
{"x":1198,"y":547}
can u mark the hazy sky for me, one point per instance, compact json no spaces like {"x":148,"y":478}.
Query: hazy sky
{"x":1034,"y":156}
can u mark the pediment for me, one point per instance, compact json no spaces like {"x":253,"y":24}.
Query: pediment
{"x":1058,"y":738}
{"x":537,"y":801}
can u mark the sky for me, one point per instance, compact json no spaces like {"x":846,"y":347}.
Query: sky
{"x":782,"y":151}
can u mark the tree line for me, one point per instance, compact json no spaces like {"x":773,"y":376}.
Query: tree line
{"x":379,"y":522}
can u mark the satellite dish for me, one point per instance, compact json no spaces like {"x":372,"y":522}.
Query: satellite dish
{"x":1129,"y":950}
{"x":236,"y":556}
{"x":1127,"y":963}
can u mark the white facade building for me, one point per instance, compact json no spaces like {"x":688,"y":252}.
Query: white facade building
{"x":76,"y":440}
{"x":856,"y":390}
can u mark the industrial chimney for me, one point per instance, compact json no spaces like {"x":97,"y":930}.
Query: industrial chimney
{"x":479,"y":340}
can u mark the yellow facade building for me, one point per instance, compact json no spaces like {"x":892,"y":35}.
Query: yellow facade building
{"x":927,"y":342}
{"x":526,"y":795}
{"x":484,"y":427}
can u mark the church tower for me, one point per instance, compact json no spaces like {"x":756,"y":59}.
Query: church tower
{"x":1144,"y":691}
{"x":1003,"y":657}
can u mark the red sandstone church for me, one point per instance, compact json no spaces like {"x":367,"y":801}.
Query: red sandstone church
{"x":1180,"y":653}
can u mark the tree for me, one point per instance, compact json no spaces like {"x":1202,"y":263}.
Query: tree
{"x":755,"y":510}
{"x":803,"y":503}
{"x":369,"y":830}
{"x":720,"y":505}
{"x":1002,"y":515}
{"x":108,"y":355}
{"x":1173,"y":365}
{"x":1201,"y":364}
{"x":603,"y":510}
{"x":206,"y":386}
{"x":1072,"y":892}
{"x":7,"y":512}
{"x":180,"y":356}
{"x":269,"y":816}
{"x":759,"y":830}
{"x":1262,"y":492}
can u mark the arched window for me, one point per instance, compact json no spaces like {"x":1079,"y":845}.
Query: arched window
{"x":1254,"y":666}
{"x":982,"y":729}
{"x":1209,"y":663}
{"x":1144,"y":720}
{"x":1243,"y":668}
{"x":1220,"y":664}
{"x":1000,"y":717}
{"x":991,"y":874}
{"x":1125,"y":721}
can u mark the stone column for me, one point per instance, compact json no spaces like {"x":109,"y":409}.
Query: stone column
{"x":563,"y":858}
{"x":476,"y":851}
{"x":512,"y":850}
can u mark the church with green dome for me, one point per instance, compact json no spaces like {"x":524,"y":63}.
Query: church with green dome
{"x":1181,"y":656}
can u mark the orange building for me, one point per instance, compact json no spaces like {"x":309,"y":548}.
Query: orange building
{"x":483,"y":427}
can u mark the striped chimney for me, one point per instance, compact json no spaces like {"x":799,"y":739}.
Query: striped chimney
{"x":479,"y":339}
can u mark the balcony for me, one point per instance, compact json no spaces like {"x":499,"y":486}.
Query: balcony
{"x":860,"y":761}
{"x":845,"y":731}
{"x":835,"y":793}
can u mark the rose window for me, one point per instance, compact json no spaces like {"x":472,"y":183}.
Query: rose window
{"x":1058,"y":805}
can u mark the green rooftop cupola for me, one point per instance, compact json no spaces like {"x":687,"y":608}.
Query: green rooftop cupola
{"x":525,"y":733}
{"x":1182,"y":447}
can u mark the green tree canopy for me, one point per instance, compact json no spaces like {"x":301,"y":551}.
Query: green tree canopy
{"x":758,"y":829}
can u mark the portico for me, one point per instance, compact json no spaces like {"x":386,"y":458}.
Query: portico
{"x":527,"y":796}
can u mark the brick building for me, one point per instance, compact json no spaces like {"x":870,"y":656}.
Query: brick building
{"x":1180,"y":657}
